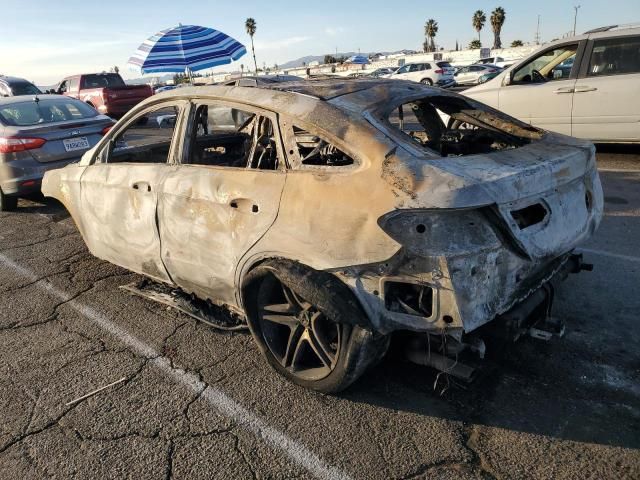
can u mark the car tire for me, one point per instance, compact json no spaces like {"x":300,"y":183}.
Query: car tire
{"x":8,"y":203}
{"x":315,"y":334}
{"x":426,"y":81}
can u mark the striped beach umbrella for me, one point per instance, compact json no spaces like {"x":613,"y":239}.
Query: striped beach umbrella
{"x":186,"y":48}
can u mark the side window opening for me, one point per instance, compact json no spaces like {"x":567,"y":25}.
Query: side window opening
{"x":615,"y":56}
{"x":470,"y":128}
{"x":555,"y":64}
{"x":314,"y":150}
{"x":147,"y":140}
{"x":228,"y":137}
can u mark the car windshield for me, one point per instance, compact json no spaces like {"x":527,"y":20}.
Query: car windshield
{"x":24,"y":88}
{"x":41,"y":111}
{"x":443,"y":64}
{"x":102,"y":80}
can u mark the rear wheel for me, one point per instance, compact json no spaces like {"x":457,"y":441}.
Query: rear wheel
{"x":426,"y":81}
{"x":7,"y":203}
{"x":305,"y":342}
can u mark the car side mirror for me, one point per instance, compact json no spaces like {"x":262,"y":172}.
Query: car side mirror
{"x":508,"y":79}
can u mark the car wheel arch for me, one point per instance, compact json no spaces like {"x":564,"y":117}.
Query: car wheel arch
{"x":292,"y":271}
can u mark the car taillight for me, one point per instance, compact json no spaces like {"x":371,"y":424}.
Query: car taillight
{"x":106,"y":129}
{"x":439,"y":71}
{"x":16,"y":144}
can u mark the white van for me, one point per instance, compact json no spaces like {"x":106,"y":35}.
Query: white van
{"x":587,"y":86}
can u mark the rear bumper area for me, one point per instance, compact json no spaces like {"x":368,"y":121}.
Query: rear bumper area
{"x":460,"y":269}
{"x":24,"y":176}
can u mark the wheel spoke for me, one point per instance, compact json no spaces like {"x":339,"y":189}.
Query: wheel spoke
{"x":318,"y":349}
{"x":287,"y":320}
{"x":280,"y":309}
{"x":319,"y":339}
{"x":294,"y":299}
{"x":293,"y":350}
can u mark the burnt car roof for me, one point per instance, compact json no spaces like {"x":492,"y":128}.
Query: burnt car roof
{"x":353,"y":94}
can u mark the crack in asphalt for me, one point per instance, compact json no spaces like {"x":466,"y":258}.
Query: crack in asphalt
{"x":227,"y":406}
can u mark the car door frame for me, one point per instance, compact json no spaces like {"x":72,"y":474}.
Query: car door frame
{"x":583,"y":77}
{"x":566,"y":90}
{"x":182,"y":269}
{"x":93,"y":233}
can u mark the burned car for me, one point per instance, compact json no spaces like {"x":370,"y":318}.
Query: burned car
{"x":330,"y":214}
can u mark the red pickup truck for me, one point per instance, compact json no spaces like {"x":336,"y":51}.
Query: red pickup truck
{"x":106,"y":92}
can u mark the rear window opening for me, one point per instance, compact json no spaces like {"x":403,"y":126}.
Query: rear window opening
{"x":453,"y":126}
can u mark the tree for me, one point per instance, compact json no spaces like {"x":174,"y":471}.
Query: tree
{"x":517,"y":43}
{"x":475,"y":44}
{"x":430,"y":30}
{"x":250,"y":26}
{"x":478,"y":21}
{"x":242,"y":69}
{"x":498,"y":17}
{"x":329,"y":59}
{"x":457,"y":47}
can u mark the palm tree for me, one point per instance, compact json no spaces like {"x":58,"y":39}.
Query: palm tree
{"x":250,"y":26}
{"x":517,"y":43}
{"x":430,"y":30}
{"x":497,"y":20}
{"x":478,"y":21}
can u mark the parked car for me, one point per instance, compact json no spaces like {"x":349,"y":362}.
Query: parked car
{"x":382,"y":72}
{"x":163,"y":88}
{"x":470,"y":75}
{"x":260,"y":80}
{"x":587,"y":86}
{"x":39,"y":134}
{"x":336,"y":212}
{"x":106,"y":92}
{"x":497,"y":61}
{"x":429,"y":73}
{"x":14,"y":86}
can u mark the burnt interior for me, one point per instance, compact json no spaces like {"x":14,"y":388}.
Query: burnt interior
{"x":313,"y":150}
{"x":471,"y":128}
{"x":408,"y":298}
{"x":528,"y":216}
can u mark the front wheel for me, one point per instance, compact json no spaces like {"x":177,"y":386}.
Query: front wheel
{"x":426,"y":81}
{"x":298,"y":325}
{"x":7,"y":203}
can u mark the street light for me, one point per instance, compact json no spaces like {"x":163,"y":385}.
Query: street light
{"x":575,"y":18}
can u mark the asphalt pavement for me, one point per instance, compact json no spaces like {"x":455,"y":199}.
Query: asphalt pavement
{"x":192,"y":402}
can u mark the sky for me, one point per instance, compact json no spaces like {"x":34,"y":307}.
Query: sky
{"x":45,"y":41}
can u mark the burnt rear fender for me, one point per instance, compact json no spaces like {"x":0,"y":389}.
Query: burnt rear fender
{"x":332,"y":296}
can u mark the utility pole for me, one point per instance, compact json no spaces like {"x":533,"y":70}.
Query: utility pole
{"x":537,"y":39}
{"x":575,"y":18}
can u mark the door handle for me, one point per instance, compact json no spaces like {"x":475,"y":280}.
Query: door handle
{"x":564,"y":90}
{"x":141,"y":186}
{"x":585,"y":89}
{"x":244,"y":204}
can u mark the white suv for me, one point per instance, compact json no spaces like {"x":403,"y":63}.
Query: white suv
{"x":429,"y":73}
{"x":587,"y":86}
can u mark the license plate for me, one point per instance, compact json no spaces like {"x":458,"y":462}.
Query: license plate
{"x":78,"y":143}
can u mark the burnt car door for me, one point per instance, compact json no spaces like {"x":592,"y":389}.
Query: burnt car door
{"x":119,"y":190}
{"x":223,"y":198}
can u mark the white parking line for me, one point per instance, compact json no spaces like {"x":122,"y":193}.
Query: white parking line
{"x":618,"y":170}
{"x":602,"y":253}
{"x":222,"y":402}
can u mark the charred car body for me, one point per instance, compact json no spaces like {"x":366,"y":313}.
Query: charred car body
{"x":333,"y":213}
